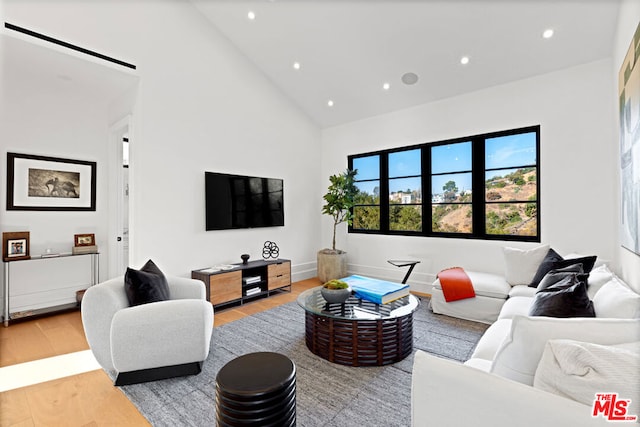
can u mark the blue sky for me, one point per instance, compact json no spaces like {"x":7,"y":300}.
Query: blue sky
{"x":501,"y":152}
{"x":512,"y":150}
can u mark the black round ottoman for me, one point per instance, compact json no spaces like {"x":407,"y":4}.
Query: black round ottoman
{"x":257,"y":389}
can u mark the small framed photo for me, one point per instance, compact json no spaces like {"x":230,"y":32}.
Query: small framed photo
{"x":84,"y":240}
{"x":15,"y":246}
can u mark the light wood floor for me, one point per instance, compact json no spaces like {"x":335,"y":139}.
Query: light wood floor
{"x":88,"y":399}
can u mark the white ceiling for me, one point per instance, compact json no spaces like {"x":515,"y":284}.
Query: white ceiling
{"x":348,"y":49}
{"x":35,"y":65}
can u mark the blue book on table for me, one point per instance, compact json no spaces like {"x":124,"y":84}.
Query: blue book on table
{"x":376,"y":290}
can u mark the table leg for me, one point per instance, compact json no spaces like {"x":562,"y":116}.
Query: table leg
{"x":6,"y":294}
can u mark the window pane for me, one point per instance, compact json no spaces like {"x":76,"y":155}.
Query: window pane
{"x":405,"y":190}
{"x":511,"y":150}
{"x":405,"y":218}
{"x":451,"y":157}
{"x":450,"y":188}
{"x":514,"y":219}
{"x":366,"y":218}
{"x":368,"y":193}
{"x":368,"y":167}
{"x":454,"y":218}
{"x":511,"y":185}
{"x":405,"y":163}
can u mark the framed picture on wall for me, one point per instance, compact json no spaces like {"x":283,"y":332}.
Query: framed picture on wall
{"x":629,"y":102}
{"x":40,"y":183}
{"x":15,"y":246}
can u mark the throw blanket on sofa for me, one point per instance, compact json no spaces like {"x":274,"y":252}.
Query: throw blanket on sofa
{"x":455,"y":284}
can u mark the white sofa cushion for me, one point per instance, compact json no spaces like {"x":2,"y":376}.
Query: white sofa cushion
{"x":481,"y":364}
{"x":491,"y":340}
{"x":516,"y":306}
{"x":521,"y":265}
{"x":522,"y":291}
{"x":449,"y":394}
{"x":478,"y":309}
{"x":578,"y":370}
{"x":615,"y":299}
{"x":485,"y":284}
{"x":519,"y":355}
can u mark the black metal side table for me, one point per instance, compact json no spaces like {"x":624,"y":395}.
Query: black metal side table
{"x":257,"y":389}
{"x":400,"y":263}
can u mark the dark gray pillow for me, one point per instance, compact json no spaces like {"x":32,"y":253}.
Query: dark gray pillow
{"x":564,"y":295}
{"x":553,"y":261}
{"x":555,"y":275}
{"x":146,"y":285}
{"x":545,"y":266}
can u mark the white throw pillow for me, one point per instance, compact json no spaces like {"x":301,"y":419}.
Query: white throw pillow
{"x":578,"y":370}
{"x":597,"y":278}
{"x":520,"y":352}
{"x":615,"y":299}
{"x":521,"y":265}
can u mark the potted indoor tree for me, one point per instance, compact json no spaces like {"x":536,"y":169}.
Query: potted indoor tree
{"x":332,"y":263}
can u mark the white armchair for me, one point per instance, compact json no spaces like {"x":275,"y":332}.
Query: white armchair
{"x":149,"y":341}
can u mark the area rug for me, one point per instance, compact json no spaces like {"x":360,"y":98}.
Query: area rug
{"x":326,"y":394}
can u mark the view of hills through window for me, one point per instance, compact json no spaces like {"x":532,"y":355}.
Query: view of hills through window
{"x":390,"y":184}
{"x":511,"y":183}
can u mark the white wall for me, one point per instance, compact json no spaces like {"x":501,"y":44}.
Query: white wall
{"x":200,"y":106}
{"x":41,"y":117}
{"x":574,"y":109}
{"x":628,"y":18}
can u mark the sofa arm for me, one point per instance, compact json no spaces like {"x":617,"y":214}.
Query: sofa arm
{"x":161,"y":334}
{"x":446,"y":393}
{"x":184,"y":288}
{"x":99,"y":304}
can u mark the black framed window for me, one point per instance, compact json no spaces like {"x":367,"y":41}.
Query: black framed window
{"x":405,"y":190}
{"x":366,"y":212}
{"x":451,"y":188}
{"x":484,"y":186}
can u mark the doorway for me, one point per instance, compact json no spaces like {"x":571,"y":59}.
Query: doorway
{"x":119,"y":196}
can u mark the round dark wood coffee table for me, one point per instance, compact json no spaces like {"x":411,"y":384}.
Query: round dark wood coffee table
{"x":257,"y":389}
{"x":358,"y":332}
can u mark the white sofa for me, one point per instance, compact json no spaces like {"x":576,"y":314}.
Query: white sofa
{"x":492,"y":290}
{"x":503,"y":383}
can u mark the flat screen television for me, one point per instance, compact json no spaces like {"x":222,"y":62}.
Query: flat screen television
{"x":237,"y":201}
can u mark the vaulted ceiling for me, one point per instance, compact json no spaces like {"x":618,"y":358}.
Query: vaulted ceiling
{"x":354,"y":54}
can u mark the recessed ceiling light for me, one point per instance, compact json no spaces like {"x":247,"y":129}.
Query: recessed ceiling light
{"x":296,"y":65}
{"x":409,"y":78}
{"x":464,"y":60}
{"x":386,"y":86}
{"x":548,"y":33}
{"x":251,"y":15}
{"x":330,"y":103}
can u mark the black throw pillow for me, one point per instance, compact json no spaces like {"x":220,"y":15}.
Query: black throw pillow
{"x":566,"y":297}
{"x":146,"y":285}
{"x":553,"y":261}
{"x":555,"y":275}
{"x":545,"y":266}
